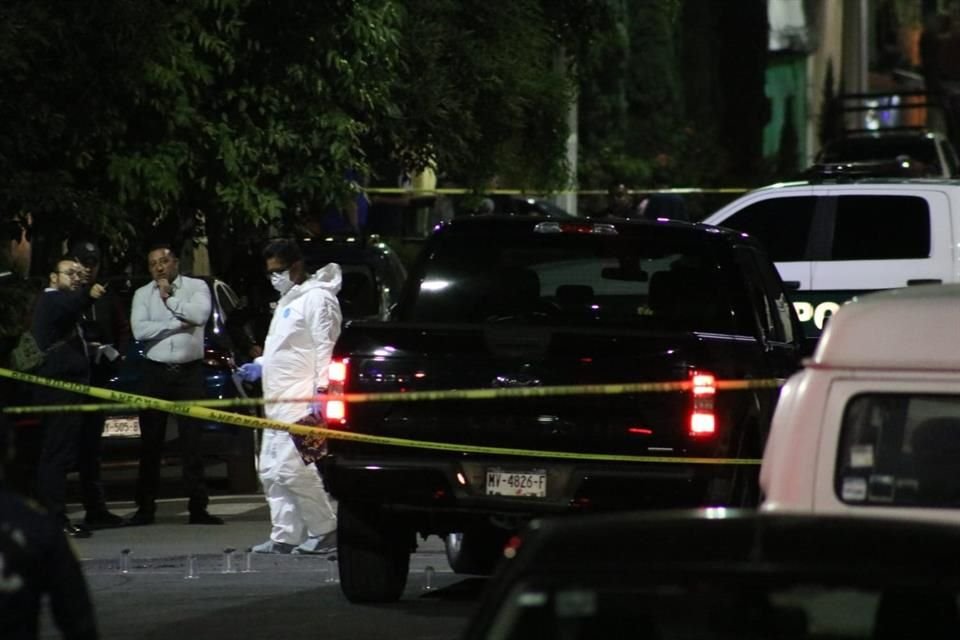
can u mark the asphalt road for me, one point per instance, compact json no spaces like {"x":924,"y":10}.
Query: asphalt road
{"x":171,"y":580}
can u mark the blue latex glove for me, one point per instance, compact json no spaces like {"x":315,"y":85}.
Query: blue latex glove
{"x":250,"y":372}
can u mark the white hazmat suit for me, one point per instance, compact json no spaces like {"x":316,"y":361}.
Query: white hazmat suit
{"x":296,"y":355}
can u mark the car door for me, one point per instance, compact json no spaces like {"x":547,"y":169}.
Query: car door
{"x":881,"y":239}
{"x":787,"y":224}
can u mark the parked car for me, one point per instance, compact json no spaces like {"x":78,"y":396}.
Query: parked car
{"x":721,"y":574}
{"x":833,"y":241}
{"x":871,"y":427}
{"x":929,"y":153}
{"x":233,"y":445}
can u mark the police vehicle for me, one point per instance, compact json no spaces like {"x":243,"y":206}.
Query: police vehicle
{"x":833,"y":241}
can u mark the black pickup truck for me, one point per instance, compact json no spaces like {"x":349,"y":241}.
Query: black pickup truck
{"x":526,"y":303}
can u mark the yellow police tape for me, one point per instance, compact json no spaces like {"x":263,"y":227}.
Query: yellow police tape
{"x":520,"y":192}
{"x":194,"y":409}
{"x":419,"y":396}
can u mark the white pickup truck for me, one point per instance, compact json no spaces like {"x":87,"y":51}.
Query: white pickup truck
{"x":871,"y":425}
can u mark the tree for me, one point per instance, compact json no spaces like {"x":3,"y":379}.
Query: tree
{"x":254,"y":107}
{"x":479,"y":93}
{"x":680,"y":79}
{"x":118,"y":116}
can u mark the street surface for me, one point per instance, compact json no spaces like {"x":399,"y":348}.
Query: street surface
{"x":271,"y":597}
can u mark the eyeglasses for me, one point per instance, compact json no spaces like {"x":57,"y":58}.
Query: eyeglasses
{"x":270,"y":272}
{"x":71,"y":273}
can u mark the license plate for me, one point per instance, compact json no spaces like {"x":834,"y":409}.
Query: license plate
{"x":528,"y":484}
{"x":121,"y":427}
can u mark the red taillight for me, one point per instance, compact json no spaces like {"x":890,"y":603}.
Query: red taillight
{"x":702,"y":419}
{"x":337,"y":372}
{"x":335,"y":406}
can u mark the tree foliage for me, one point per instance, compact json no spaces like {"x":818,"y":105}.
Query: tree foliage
{"x":483,"y":92}
{"x":675,"y":85}
{"x":118,"y":118}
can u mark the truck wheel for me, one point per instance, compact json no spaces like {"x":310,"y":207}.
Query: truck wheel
{"x":475,"y":551}
{"x":738,"y":486}
{"x":373,"y":551}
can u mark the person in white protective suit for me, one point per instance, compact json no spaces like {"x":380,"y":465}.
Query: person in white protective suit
{"x":296,"y":355}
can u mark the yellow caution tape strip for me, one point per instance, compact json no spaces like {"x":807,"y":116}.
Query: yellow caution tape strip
{"x":419,"y":396}
{"x":193,"y":410}
{"x":520,"y":192}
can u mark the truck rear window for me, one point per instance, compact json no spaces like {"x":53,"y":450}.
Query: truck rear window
{"x":662,"y":278}
{"x":900,"y":450}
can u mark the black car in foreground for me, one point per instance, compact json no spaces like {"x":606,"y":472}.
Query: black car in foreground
{"x":720,"y":574}
{"x":521,"y":306}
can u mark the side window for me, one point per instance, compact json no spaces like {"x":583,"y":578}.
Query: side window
{"x":881,"y":228}
{"x":766,"y":295}
{"x":900,"y":449}
{"x":781,"y":224}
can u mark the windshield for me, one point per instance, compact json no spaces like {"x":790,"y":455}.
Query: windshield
{"x":662,"y":278}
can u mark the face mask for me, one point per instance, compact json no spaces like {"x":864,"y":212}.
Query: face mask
{"x":281,"y":281}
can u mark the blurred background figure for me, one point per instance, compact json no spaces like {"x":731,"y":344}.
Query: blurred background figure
{"x":17,"y":295}
{"x":663,"y":205}
{"x":620,"y":203}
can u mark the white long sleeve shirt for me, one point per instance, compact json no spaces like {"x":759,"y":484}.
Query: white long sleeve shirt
{"x":300,"y":341}
{"x":172,"y":331}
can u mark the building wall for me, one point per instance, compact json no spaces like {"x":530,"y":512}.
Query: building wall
{"x":826,"y":24}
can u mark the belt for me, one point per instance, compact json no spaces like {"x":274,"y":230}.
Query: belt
{"x":174,"y":366}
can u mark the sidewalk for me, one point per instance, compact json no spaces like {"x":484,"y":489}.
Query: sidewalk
{"x":247,"y":523}
{"x":167,"y":543}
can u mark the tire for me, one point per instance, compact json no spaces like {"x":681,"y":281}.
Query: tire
{"x":373,"y":551}
{"x":739,"y":485}
{"x":740,"y":489}
{"x":475,"y":551}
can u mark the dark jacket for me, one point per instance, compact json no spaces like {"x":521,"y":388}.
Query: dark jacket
{"x":56,"y":317}
{"x":37,"y":562}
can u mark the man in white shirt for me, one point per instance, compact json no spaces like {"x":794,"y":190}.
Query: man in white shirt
{"x":169,"y":315}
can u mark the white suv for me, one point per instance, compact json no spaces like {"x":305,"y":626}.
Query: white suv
{"x":833,"y":241}
{"x":871,"y":426}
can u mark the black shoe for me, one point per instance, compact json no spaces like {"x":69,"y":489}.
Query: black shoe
{"x":102,"y":519}
{"x":76,"y":531}
{"x":140,"y":518}
{"x":202,"y":517}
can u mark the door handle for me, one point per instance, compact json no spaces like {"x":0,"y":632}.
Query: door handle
{"x":791,"y":285}
{"x":911,"y":283}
